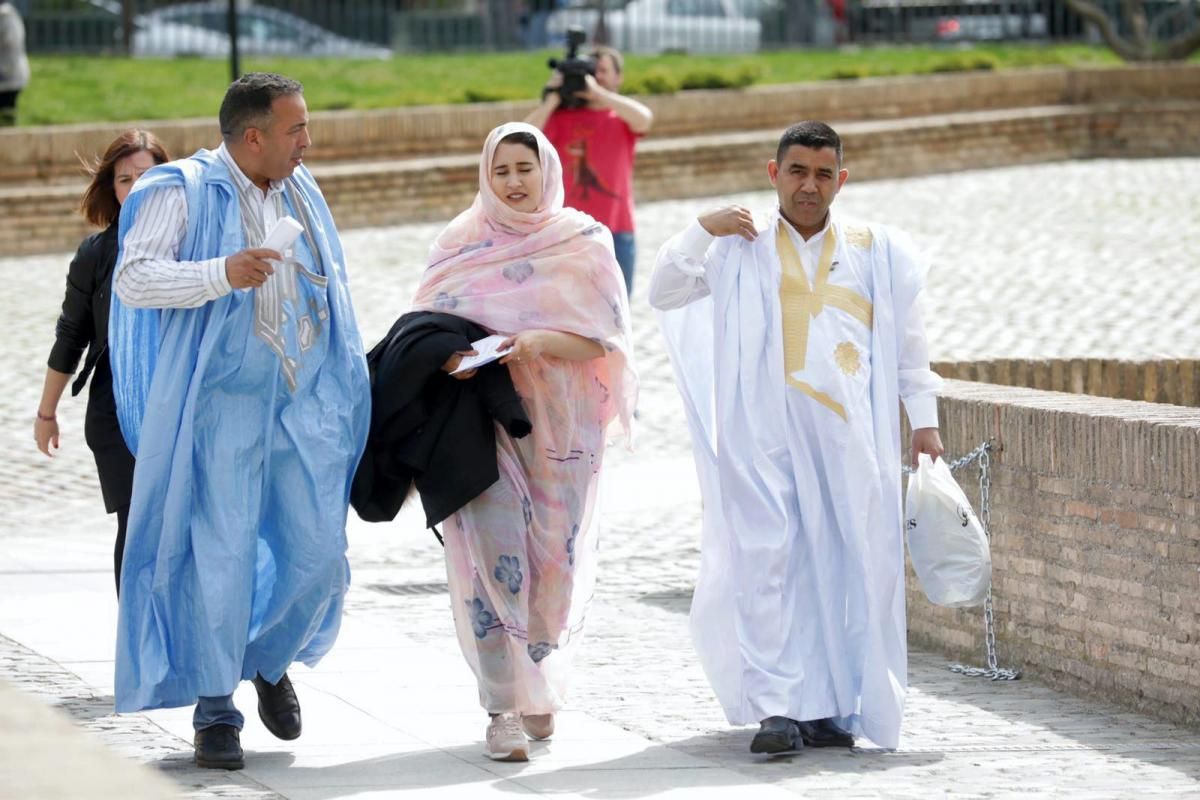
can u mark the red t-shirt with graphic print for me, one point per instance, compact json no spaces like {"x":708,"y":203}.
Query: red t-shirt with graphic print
{"x":597,"y":152}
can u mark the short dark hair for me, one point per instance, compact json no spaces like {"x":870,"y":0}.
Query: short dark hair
{"x":521,"y":137}
{"x":99,"y":204}
{"x":248,"y":100}
{"x":600,"y":51}
{"x":811,"y":133}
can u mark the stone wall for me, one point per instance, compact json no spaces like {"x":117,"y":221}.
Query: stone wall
{"x":894,"y":127}
{"x":1172,"y":381}
{"x":44,"y":219}
{"x":1095,"y":544}
{"x":52,"y":153}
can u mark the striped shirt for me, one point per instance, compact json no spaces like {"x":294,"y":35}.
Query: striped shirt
{"x":150,"y":274}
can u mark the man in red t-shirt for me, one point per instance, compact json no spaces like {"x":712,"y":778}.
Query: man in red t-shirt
{"x":596,"y":145}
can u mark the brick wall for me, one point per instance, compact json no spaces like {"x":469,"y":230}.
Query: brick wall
{"x":50,"y":153}
{"x":690,"y":166}
{"x":391,"y":192}
{"x":1173,"y":381}
{"x":1095,"y":544}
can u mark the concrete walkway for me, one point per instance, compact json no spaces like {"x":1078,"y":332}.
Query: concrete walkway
{"x":392,"y":712}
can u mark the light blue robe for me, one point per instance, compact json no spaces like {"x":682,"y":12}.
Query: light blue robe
{"x":235,"y":557}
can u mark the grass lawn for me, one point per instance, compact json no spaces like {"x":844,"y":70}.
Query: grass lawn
{"x":69,"y":89}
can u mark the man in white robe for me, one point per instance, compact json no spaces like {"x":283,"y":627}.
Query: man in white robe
{"x":793,"y":344}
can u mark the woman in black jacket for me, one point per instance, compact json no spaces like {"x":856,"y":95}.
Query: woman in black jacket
{"x":83,"y":325}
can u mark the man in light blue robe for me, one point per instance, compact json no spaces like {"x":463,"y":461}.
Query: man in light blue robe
{"x":793,"y":343}
{"x":242,"y":388}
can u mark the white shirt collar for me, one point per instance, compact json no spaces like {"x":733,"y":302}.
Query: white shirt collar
{"x":242,"y":180}
{"x":813,"y":240}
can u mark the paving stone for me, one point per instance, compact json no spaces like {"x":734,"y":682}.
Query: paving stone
{"x":1055,"y":260}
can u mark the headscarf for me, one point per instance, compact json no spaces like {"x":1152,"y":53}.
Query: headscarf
{"x":552,"y":268}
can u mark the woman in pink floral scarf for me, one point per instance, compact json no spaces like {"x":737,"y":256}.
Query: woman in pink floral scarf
{"x":521,"y":557}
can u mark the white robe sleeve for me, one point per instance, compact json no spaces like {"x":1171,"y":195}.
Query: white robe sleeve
{"x":681,"y":270}
{"x":919,"y":385}
{"x":150,"y":274}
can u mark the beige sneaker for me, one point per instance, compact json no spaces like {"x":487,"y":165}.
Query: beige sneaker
{"x":538,"y":726}
{"x":505,"y":739}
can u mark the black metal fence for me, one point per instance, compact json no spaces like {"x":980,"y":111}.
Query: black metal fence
{"x":379,"y":28}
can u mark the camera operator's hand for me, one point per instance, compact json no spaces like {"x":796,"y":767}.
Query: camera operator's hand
{"x":595,"y":94}
{"x":550,"y":94}
{"x":729,"y":221}
{"x":632,"y":113}
{"x":551,"y":100}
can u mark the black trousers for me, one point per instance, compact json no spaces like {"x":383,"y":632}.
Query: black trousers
{"x":119,"y":549}
{"x":114,"y":462}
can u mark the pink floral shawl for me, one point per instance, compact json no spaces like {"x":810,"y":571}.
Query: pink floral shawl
{"x":554,"y":269}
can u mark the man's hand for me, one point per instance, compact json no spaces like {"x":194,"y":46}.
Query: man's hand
{"x":926,"y":440}
{"x":248,"y":269}
{"x":596,"y":95}
{"x":550,"y":102}
{"x":550,"y":95}
{"x":728,"y":221}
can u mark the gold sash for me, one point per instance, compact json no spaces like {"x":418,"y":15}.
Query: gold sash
{"x":800,"y":303}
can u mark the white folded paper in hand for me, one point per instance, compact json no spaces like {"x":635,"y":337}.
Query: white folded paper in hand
{"x":283,"y":235}
{"x":488,"y":349}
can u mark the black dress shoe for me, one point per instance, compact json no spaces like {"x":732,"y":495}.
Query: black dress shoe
{"x":278,"y":707}
{"x":777,"y":735}
{"x":219,"y":747}
{"x":823,"y":733}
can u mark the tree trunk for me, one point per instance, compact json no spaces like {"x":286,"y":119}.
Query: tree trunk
{"x":1142,"y":43}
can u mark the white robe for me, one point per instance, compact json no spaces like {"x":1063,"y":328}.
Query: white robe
{"x":791,"y":381}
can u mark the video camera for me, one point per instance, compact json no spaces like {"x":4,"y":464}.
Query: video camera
{"x":574,"y":70}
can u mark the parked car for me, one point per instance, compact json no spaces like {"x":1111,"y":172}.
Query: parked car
{"x":70,"y":26}
{"x":663,"y":26}
{"x":986,"y":27}
{"x":983,"y":21}
{"x":946,"y":20}
{"x":201,"y":29}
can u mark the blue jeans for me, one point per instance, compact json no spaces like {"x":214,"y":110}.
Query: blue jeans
{"x":217,"y":711}
{"x":623,"y":245}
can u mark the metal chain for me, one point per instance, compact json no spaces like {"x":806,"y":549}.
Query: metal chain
{"x":993,"y":670}
{"x":955,"y":466}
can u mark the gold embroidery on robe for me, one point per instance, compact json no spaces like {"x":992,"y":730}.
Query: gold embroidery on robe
{"x":858,"y":236}
{"x":848,"y":359}
{"x":800,"y":303}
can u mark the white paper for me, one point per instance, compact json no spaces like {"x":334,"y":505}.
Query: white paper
{"x":281,"y":237}
{"x":488,"y":350}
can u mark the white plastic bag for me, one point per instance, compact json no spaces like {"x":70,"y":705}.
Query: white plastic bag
{"x":946,"y":542}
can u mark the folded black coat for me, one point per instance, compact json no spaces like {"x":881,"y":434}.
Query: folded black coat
{"x":428,"y":428}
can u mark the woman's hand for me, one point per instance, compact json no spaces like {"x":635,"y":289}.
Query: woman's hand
{"x":453,"y":361}
{"x":45,"y":433}
{"x":526,"y":346}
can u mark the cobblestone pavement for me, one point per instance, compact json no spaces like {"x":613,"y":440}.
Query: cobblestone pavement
{"x":1059,"y":260}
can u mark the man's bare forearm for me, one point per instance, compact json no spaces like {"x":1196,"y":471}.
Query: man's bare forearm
{"x":541,"y":115}
{"x":637,"y":116}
